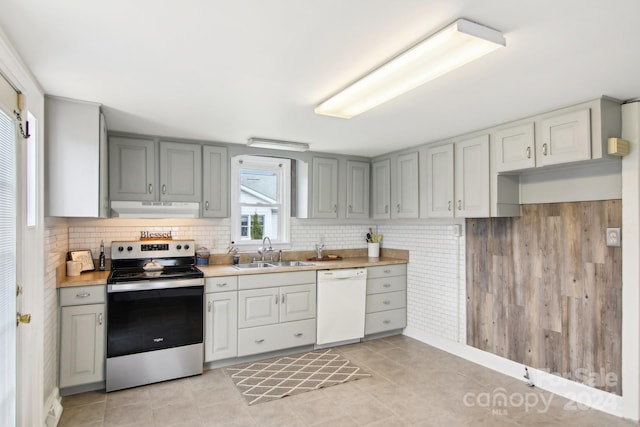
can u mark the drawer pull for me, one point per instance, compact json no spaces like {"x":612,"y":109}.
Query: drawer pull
{"x":386,"y":285}
{"x":83,"y":295}
{"x":386,"y":322}
{"x":387,"y":302}
{"x":260,"y":341}
{"x":221,"y":285}
{"x":387,"y":271}
{"x":298,"y":334}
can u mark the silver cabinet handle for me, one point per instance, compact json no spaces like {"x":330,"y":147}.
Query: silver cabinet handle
{"x":386,"y":322}
{"x":282,"y":299}
{"x":528,"y":152}
{"x":350,"y":209}
{"x":260,"y":341}
{"x":150,"y":188}
{"x":459,"y":205}
{"x":83,"y":295}
{"x":386,"y":208}
{"x":221,"y":285}
{"x":386,"y":285}
{"x":100,"y":319}
{"x":544,"y":149}
{"x":276,"y":299}
{"x":335,"y":208}
{"x":164,"y":188}
{"x":298,"y":334}
{"x":449,"y":206}
{"x":398,"y":207}
{"x":209,"y":306}
{"x":206,"y":205}
{"x":387,"y":271}
{"x":386,"y":302}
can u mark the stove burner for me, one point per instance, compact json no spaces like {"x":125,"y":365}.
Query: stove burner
{"x":133,"y":274}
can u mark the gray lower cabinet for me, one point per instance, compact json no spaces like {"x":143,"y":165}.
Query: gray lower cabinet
{"x":276,"y":317}
{"x":82,"y":335}
{"x":386,"y":306}
{"x":221,"y":318}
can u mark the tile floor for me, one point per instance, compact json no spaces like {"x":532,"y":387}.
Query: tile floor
{"x":412,"y":384}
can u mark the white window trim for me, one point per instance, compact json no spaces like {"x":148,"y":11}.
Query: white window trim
{"x":261,"y":163}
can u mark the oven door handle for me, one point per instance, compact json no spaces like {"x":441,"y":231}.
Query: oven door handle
{"x":143,"y":285}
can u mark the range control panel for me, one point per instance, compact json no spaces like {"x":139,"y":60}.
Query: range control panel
{"x":152,"y":249}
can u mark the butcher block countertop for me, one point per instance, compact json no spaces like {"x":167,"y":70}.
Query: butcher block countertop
{"x":219,"y":270}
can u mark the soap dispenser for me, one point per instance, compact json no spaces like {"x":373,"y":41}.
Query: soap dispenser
{"x":102,"y":260}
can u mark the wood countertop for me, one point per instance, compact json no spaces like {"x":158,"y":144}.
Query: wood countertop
{"x":100,"y":277}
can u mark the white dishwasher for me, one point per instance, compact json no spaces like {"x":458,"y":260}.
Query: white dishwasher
{"x":341,"y":298}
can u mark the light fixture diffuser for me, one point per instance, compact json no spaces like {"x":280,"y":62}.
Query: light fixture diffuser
{"x":275,"y":144}
{"x":453,"y":46}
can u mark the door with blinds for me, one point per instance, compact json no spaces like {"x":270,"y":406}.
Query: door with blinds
{"x":8,"y":259}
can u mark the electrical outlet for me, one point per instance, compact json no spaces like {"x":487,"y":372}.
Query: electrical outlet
{"x":613,"y":237}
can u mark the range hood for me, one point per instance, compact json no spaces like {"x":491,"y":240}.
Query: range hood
{"x":127,"y":209}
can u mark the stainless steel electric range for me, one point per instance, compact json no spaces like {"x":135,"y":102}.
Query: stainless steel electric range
{"x":155,"y":313}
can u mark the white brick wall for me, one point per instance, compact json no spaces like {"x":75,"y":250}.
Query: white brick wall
{"x":56,"y":242}
{"x":435,"y":274}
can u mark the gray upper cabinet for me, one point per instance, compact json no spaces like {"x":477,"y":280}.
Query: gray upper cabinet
{"x":515,"y":147}
{"x":440,"y":177}
{"x":76,"y":158}
{"x":381,"y":194}
{"x":132,"y":169}
{"x":215,"y":177}
{"x":144,"y":170}
{"x":325,"y":188}
{"x":180,"y":172}
{"x":405,"y":196}
{"x":358,"y":189}
{"x":472,"y":177}
{"x":565,"y":138}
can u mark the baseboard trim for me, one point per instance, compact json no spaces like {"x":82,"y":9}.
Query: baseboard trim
{"x":582,"y":394}
{"x":52,"y":408}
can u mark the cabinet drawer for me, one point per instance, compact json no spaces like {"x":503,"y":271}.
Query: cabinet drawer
{"x":221,"y":284}
{"x":386,"y":271}
{"x":385,"y":321}
{"x":80,"y":295}
{"x":386,"y":301}
{"x":386,"y":284}
{"x":267,"y":280}
{"x":262,"y":339}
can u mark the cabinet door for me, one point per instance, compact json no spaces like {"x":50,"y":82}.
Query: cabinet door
{"x":325,"y":188}
{"x":472,"y":177}
{"x":132,"y":169}
{"x":104,"y":170}
{"x":257,"y":307}
{"x":440,"y":182}
{"x":406,"y":187}
{"x":358,"y":189}
{"x":221,"y":326}
{"x":565,"y":138}
{"x":180,"y":172}
{"x":514,"y":148}
{"x":215,"y":176}
{"x":381,"y":173}
{"x":82,"y":354}
{"x":297,"y":302}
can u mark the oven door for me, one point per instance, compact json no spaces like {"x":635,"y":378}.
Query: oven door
{"x":153,"y":315}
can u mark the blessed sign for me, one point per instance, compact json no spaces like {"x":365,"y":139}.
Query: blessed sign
{"x":154,"y":235}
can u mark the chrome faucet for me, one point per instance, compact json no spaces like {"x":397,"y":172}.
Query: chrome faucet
{"x":263,"y":250}
{"x":319,"y":248}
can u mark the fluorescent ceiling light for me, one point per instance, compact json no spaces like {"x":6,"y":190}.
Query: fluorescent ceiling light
{"x":277,"y":145}
{"x":453,"y":46}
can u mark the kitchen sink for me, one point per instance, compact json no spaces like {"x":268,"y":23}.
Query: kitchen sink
{"x":252,"y":265}
{"x":289,"y":263}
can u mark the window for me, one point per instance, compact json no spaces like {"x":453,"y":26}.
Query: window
{"x":260,"y":199}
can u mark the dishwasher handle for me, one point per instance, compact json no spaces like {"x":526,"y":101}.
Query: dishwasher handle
{"x":343,"y":274}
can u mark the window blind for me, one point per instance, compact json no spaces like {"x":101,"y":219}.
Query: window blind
{"x":8,"y":225}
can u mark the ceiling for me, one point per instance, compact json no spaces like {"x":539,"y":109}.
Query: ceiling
{"x":228,"y":70}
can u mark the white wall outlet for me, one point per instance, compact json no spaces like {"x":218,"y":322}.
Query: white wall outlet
{"x":456,"y":230}
{"x":613,"y":237}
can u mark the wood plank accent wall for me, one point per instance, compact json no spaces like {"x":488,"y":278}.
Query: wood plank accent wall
{"x":544,"y":290}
